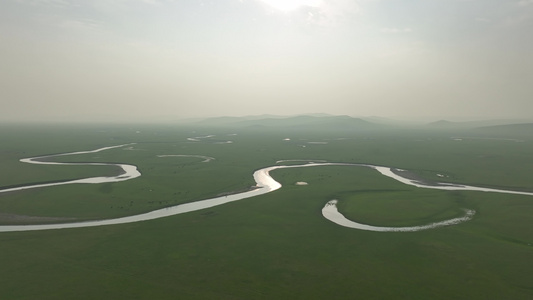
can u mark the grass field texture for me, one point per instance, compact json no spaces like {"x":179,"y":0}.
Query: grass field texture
{"x":275,"y":246}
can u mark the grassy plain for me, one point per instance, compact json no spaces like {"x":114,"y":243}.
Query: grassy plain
{"x":275,"y":246}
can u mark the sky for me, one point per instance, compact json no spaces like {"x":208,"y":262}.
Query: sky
{"x":149,"y":60}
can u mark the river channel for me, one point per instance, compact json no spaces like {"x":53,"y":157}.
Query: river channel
{"x":264,"y":184}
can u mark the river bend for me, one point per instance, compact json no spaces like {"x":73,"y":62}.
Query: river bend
{"x":264,"y":184}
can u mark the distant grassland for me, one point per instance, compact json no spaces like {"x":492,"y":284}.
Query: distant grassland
{"x":275,"y":246}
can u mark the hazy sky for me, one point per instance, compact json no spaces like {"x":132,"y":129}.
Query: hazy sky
{"x":149,"y":59}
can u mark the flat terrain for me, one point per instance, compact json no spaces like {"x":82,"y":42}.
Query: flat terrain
{"x":274,"y":246}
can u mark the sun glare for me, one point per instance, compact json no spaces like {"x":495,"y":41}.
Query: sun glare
{"x":289,"y":5}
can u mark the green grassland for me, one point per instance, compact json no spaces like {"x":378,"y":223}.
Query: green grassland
{"x":278,"y":245}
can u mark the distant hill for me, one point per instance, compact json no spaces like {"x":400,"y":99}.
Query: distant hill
{"x":444,"y":124}
{"x":519,"y":130}
{"x":471,"y":124}
{"x":231,"y":121}
{"x":309,"y":122}
{"x":389,"y":121}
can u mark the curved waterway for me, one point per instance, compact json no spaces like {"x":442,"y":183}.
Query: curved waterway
{"x":128,"y":171}
{"x":264,"y":184}
{"x":331,"y":213}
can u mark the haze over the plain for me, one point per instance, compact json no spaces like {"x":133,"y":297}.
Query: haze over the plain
{"x":146,"y":60}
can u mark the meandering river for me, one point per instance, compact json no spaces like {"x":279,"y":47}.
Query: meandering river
{"x":264,"y":184}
